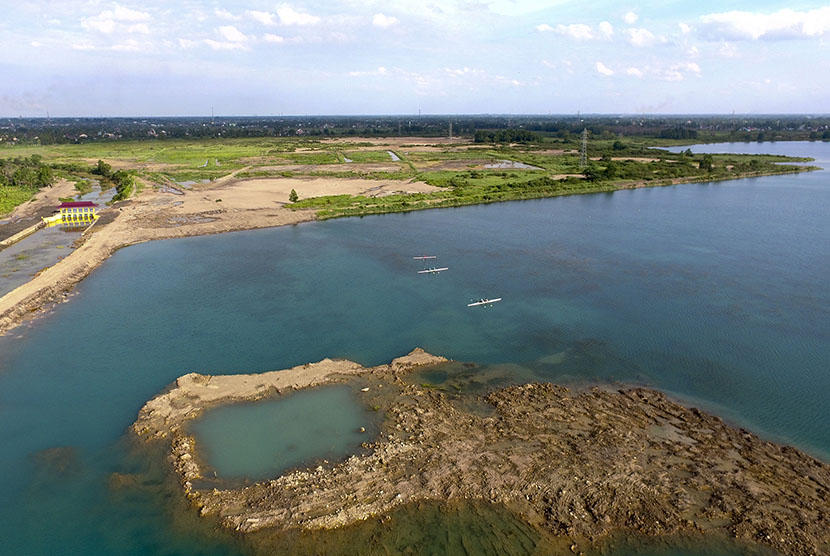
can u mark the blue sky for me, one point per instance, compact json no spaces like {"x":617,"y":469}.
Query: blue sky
{"x":258,"y":57}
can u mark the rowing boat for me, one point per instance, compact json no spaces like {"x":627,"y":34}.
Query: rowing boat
{"x":484,"y":302}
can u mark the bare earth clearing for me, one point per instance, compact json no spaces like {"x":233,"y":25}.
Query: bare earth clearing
{"x":576,"y":465}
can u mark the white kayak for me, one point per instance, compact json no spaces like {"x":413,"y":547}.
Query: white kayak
{"x":432,"y":270}
{"x":483,"y":302}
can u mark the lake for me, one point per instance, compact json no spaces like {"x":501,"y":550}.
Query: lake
{"x":715,"y":292}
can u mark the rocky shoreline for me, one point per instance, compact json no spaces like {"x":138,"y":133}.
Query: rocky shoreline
{"x":584,"y":466}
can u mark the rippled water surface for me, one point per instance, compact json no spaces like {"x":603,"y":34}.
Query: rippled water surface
{"x":715,"y":292}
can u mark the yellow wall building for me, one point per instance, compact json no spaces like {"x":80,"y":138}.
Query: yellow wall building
{"x":78,"y":211}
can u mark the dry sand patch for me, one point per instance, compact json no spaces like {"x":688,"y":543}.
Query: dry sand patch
{"x":268,"y":192}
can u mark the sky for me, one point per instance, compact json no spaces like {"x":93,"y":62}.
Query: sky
{"x":262,"y":58}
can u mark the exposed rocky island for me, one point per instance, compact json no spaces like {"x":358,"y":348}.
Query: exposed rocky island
{"x":582,"y":465}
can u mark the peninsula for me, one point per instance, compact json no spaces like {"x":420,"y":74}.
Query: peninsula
{"x":577,"y":465}
{"x":176,"y":188}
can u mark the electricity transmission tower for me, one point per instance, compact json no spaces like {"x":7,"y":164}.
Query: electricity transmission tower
{"x":583,"y":151}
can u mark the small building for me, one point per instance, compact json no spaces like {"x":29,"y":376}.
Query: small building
{"x":78,"y":211}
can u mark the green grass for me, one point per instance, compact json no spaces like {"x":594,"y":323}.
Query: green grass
{"x":184,"y":160}
{"x":492,"y":189}
{"x":10,"y":197}
{"x":83,"y":186}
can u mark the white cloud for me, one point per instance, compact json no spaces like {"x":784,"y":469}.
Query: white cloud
{"x":289,"y":16}
{"x":728,"y":50}
{"x":108,"y":20}
{"x":35,"y":44}
{"x":685,"y":29}
{"x":780,"y":25}
{"x":265,"y":18}
{"x":578,"y":31}
{"x":642,"y":37}
{"x":691,"y":67}
{"x":602,"y":69}
{"x":223,"y":45}
{"x":460,"y":72}
{"x":187,"y":43}
{"x":606,"y":30}
{"x":225,"y":14}
{"x":630,"y":18}
{"x":384,"y":21}
{"x":121,"y":13}
{"x":130,"y":45}
{"x":678,"y":72}
{"x":232,"y":34}
{"x":82,"y":46}
{"x":138,"y":28}
{"x":671,"y":72}
{"x":274,"y":38}
{"x":96,"y":24}
{"x":381,"y":70}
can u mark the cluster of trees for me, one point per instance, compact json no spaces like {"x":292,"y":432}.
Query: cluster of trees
{"x":28,"y":173}
{"x":678,"y":132}
{"x":123,"y":180}
{"x":682,"y":166}
{"x":507,"y":136}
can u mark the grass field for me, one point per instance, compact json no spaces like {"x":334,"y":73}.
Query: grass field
{"x":459,"y":169}
{"x":10,"y":197}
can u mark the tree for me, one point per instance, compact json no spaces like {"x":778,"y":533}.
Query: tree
{"x":293,"y":197}
{"x":707,"y":163}
{"x":592,"y":173}
{"x":103,"y":169}
{"x":44,"y":176}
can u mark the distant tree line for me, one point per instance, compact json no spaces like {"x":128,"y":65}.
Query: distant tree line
{"x":560,"y":128}
{"x":678,"y":132}
{"x":507,"y":136}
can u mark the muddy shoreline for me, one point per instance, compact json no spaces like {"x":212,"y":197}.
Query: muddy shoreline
{"x":583,"y":466}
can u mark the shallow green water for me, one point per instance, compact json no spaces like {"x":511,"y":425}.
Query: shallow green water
{"x":717,"y":293}
{"x":263,"y":439}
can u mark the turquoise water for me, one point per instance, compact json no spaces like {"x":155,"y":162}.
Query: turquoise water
{"x":263,"y":439}
{"x":715,"y":292}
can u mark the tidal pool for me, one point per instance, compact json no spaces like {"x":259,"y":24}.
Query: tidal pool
{"x":263,"y":439}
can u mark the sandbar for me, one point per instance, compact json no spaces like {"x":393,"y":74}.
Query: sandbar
{"x":583,"y":465}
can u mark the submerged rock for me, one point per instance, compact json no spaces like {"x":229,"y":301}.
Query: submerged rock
{"x":583,"y":465}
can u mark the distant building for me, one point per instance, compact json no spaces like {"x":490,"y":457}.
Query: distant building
{"x":78,"y":212}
